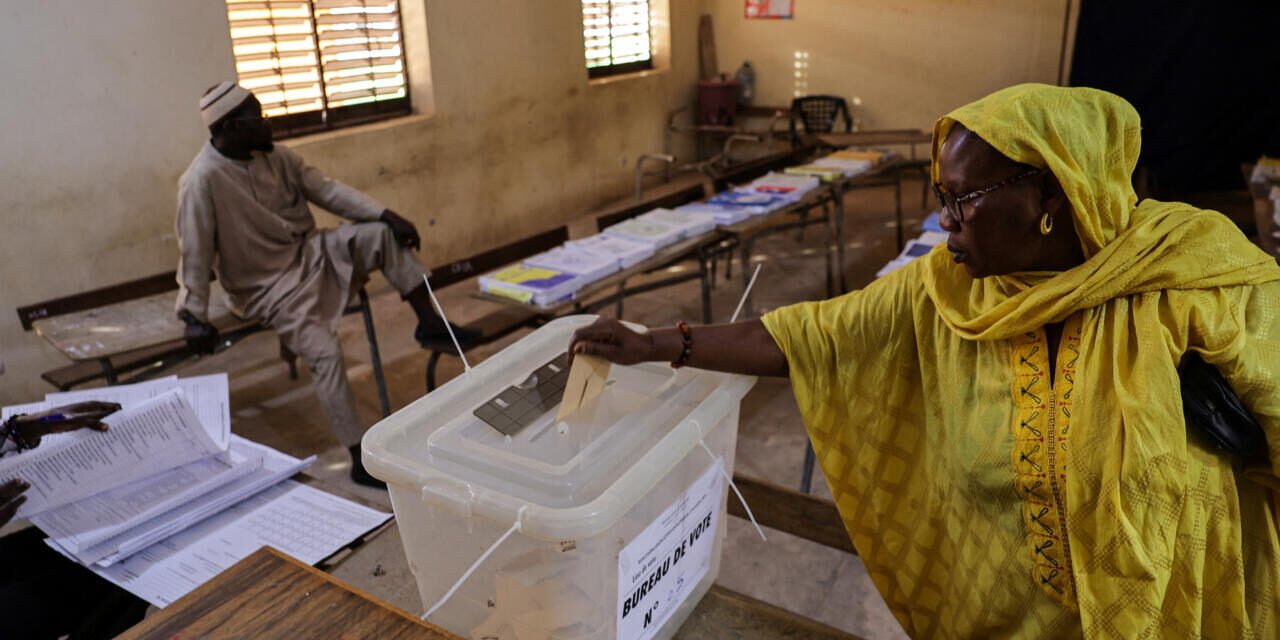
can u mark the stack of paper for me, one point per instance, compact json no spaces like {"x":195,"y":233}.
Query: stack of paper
{"x":689,"y":226}
{"x":873,"y":156}
{"x":531,"y":285}
{"x":754,"y":202}
{"x":915,"y":249}
{"x":791,"y":187}
{"x":167,"y":498}
{"x":587,"y":267}
{"x":849,"y":167}
{"x":718,"y":213}
{"x":626,"y":252}
{"x":825,"y":173}
{"x":657,"y":234}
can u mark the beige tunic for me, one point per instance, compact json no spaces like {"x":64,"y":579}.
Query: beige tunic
{"x":250,"y":221}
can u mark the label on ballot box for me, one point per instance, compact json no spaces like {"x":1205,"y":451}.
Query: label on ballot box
{"x":659,"y":568}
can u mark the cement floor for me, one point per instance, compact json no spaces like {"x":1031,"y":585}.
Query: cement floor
{"x":809,"y":579}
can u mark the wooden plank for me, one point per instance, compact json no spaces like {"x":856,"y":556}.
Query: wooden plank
{"x":792,"y":512}
{"x":270,"y":595}
{"x":129,"y":325}
{"x":727,"y":615}
{"x":97,"y":298}
{"x":874,"y":138}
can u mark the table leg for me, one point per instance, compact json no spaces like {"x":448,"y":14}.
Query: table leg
{"x":705,"y":281}
{"x":897,"y":211}
{"x":828,"y":211}
{"x":108,"y":370}
{"x":376,"y":359}
{"x":806,"y":481}
{"x":748,"y":309}
{"x":838,"y":196}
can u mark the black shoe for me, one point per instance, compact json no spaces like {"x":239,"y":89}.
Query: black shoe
{"x":437,"y":337}
{"x":359,"y":474}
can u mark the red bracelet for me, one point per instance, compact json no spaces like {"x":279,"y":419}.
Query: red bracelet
{"x":686,"y":335}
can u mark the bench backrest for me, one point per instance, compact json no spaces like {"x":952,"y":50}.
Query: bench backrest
{"x":122,"y":292}
{"x":459,"y":270}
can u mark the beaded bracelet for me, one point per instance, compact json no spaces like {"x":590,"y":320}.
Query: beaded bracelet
{"x":10,"y":432}
{"x":686,"y":335}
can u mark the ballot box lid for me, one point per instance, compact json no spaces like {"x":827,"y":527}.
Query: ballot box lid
{"x":584,"y":469}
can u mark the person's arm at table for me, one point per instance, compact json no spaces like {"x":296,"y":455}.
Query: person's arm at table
{"x":742,"y":347}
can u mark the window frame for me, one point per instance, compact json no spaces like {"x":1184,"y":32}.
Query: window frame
{"x":328,"y":118}
{"x":635,"y":66}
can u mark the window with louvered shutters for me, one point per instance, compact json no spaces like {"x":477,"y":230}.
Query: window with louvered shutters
{"x":617,"y":36}
{"x":320,"y":64}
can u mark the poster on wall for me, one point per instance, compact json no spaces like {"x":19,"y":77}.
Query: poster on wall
{"x":770,"y":9}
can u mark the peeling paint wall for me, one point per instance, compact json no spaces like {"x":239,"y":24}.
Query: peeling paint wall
{"x":99,"y":121}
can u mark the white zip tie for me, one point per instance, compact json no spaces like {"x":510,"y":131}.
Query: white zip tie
{"x":746,"y":292}
{"x":733,"y":486}
{"x":448,"y":327}
{"x":475,"y":565}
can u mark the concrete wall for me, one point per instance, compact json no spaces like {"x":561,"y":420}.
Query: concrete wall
{"x":909,"y":61}
{"x":99,"y":121}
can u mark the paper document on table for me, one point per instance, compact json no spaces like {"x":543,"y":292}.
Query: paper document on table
{"x":298,"y":520}
{"x":587,"y":378}
{"x":22,"y":409}
{"x":84,"y":523}
{"x":209,"y":396}
{"x":156,"y":436}
{"x":275,"y":467}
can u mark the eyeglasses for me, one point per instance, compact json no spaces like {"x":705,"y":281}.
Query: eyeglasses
{"x":952,"y":204}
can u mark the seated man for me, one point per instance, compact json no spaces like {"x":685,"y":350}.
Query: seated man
{"x":242,"y":211}
{"x":46,"y":595}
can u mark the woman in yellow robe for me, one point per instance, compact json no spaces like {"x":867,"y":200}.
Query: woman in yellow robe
{"x":1000,"y":421}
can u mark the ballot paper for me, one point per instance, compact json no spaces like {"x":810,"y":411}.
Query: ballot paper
{"x":155,"y":436}
{"x":300,"y":521}
{"x":587,"y":267}
{"x":208,"y":395}
{"x":587,"y":378}
{"x":690,"y":225}
{"x":628,"y":253}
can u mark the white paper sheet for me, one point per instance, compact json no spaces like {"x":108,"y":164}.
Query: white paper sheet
{"x":275,"y":467}
{"x":301,"y":521}
{"x":209,"y":396}
{"x":156,"y":436}
{"x":87,"y":522}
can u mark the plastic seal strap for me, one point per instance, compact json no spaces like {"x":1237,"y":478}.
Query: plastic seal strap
{"x":466,"y":366}
{"x":515,"y":526}
{"x":715,"y":459}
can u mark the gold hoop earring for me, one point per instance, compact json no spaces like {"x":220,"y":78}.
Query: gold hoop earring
{"x":1046,"y":224}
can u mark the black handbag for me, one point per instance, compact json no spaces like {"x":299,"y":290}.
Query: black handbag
{"x":1213,"y":409}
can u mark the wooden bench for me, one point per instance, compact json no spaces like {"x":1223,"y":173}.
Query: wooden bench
{"x":129,"y":332}
{"x":502,"y":320}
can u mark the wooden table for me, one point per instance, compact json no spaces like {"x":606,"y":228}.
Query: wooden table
{"x":874,"y":138}
{"x":270,"y":595}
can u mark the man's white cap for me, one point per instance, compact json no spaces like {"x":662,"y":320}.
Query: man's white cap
{"x":221,"y":100}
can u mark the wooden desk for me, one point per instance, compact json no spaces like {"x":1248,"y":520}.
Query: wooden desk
{"x":270,"y":595}
{"x":874,"y":138}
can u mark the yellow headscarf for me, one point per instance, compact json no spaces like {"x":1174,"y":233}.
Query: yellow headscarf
{"x":900,"y":388}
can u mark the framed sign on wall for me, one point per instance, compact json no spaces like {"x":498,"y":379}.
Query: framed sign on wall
{"x":770,"y":9}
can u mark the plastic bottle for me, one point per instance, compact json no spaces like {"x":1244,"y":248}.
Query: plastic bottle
{"x":746,"y":77}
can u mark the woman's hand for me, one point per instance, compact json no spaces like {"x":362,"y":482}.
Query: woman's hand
{"x":71,"y":417}
{"x":11,"y":498}
{"x":609,"y":339}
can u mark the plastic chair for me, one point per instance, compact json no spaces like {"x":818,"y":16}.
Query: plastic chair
{"x":818,"y":114}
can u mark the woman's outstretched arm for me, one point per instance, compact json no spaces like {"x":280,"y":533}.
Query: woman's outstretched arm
{"x":742,"y":347}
